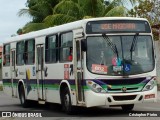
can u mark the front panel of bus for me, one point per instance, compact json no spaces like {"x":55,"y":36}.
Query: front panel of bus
{"x":120,"y":62}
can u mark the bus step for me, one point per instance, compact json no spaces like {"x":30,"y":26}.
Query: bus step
{"x":41,"y":101}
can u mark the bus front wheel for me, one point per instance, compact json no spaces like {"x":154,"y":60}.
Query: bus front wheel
{"x":127,"y":107}
{"x":66,"y":101}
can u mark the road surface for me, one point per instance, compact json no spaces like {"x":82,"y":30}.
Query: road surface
{"x":12,"y":104}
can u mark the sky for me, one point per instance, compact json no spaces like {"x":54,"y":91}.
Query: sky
{"x":10,"y":22}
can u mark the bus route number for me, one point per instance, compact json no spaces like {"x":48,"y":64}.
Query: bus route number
{"x":99,"y":68}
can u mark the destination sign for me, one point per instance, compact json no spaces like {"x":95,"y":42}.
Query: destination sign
{"x":117,"y":26}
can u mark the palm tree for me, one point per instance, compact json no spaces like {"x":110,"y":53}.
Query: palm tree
{"x":38,"y":10}
{"x":47,"y":13}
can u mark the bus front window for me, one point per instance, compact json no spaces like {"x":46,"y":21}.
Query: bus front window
{"x":102,"y":59}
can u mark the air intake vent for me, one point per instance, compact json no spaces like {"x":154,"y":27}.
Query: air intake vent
{"x":120,"y":89}
{"x":123,"y":98}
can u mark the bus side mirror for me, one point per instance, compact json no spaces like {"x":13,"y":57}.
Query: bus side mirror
{"x":83,"y":45}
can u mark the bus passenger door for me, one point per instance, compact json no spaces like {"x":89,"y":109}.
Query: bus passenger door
{"x":79,"y":72}
{"x":40,"y":73}
{"x":13,"y":71}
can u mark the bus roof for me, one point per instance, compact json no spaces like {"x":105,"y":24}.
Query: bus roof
{"x":63,"y":28}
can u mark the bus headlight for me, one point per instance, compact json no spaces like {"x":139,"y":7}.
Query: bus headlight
{"x":149,"y":85}
{"x":95,"y":87}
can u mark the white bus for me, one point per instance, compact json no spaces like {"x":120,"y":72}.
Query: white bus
{"x":106,"y":61}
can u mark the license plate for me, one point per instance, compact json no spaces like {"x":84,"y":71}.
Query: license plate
{"x":149,"y":96}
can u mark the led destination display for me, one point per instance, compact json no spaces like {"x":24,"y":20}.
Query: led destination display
{"x":117,"y":26}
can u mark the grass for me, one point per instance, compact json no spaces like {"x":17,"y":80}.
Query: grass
{"x":1,"y":88}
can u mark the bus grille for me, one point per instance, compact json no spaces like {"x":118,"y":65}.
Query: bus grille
{"x":123,"y":98}
{"x":120,"y":89}
{"x":131,"y":84}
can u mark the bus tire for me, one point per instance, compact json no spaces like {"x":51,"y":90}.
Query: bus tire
{"x":127,"y":107}
{"x":66,"y":101}
{"x":22,"y":98}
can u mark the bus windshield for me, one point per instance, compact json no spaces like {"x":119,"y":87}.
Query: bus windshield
{"x":101,"y":59}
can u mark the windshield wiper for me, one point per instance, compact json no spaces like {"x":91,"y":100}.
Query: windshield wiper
{"x":133,"y":44}
{"x":110,"y":44}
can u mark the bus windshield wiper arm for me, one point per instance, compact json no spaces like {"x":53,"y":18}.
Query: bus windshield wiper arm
{"x":133,"y":44}
{"x":110,"y":44}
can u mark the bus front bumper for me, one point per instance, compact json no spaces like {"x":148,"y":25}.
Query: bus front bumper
{"x":107,"y":99}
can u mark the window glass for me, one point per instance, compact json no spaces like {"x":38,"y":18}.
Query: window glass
{"x":66,"y":47}
{"x":7,"y":49}
{"x":51,"y":49}
{"x":29,"y":51}
{"x":52,"y":42}
{"x":104,"y":59}
{"x":6,"y":61}
{"x":20,"y":53}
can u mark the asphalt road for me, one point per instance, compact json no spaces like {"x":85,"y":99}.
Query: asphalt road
{"x":12,"y":104}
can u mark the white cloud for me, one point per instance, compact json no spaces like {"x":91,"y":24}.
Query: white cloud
{"x":10,"y":22}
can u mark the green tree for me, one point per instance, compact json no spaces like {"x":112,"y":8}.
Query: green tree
{"x":48,"y":13}
{"x":143,"y":10}
{"x":147,"y":9}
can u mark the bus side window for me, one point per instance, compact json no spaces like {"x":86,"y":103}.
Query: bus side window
{"x":70,"y":54}
{"x":6,"y":55}
{"x":51,"y":49}
{"x":4,"y":60}
{"x":66,"y":46}
{"x":29,"y":55}
{"x":20,"y":53}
